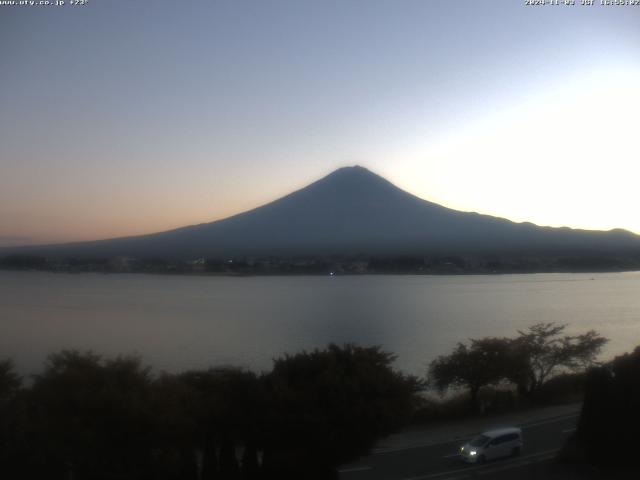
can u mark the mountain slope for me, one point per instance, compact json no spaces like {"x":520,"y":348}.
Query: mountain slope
{"x":351,"y":211}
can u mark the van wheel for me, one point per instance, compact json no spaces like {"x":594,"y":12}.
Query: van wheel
{"x":515,"y":452}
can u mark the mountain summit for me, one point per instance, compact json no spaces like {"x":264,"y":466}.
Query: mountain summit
{"x":351,"y":211}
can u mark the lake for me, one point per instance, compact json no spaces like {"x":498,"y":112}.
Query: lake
{"x":182,"y":322}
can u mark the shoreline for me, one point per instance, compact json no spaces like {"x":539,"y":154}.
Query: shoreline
{"x":316,"y":274}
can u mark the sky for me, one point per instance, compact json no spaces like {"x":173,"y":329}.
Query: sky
{"x":129,"y":117}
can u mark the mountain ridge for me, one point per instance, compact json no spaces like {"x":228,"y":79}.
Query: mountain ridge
{"x":349,"y":211}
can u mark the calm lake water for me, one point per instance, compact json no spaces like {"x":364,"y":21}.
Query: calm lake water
{"x":181,"y":322}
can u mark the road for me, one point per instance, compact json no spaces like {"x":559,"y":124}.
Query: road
{"x":438,"y":461}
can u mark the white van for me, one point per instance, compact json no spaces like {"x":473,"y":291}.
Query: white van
{"x":499,"y":443}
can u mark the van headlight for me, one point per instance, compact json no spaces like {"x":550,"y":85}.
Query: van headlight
{"x":472,"y":452}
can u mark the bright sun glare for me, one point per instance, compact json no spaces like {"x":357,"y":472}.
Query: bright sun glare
{"x":565,"y":155}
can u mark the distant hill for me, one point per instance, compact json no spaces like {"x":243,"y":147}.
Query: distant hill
{"x":350,"y":211}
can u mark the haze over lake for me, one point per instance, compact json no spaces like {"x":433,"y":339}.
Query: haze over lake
{"x":181,"y":322}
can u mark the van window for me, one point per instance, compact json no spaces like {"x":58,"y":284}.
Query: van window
{"x":479,"y":441}
{"x":504,"y":438}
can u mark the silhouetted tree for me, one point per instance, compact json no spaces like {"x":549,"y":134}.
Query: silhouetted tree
{"x":541,"y":351}
{"x":481,"y":363}
{"x":229,"y":410}
{"x":174,"y":429}
{"x":610,"y":417}
{"x":11,"y":426}
{"x":330,"y":406}
{"x":90,"y":417}
{"x":528,"y":361}
{"x":86,"y":417}
{"x":10,"y":381}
